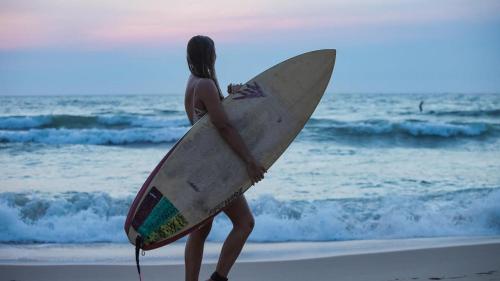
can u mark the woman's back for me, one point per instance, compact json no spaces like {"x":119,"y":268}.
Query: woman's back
{"x":193,"y":105}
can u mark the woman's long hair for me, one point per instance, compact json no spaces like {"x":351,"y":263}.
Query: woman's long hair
{"x":201,"y":59}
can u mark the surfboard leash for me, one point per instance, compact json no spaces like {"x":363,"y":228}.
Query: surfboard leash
{"x":138,"y":246}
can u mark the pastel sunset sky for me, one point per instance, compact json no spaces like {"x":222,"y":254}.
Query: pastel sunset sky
{"x":60,"y":47}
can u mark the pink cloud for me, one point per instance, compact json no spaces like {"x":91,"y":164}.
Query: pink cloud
{"x":21,"y":31}
{"x":90,"y":24}
{"x":138,"y":31}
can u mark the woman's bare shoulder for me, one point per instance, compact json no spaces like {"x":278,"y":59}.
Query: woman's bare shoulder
{"x":205,"y":82}
{"x":206,"y":87}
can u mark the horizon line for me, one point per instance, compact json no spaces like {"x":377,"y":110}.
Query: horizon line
{"x":326,"y":93}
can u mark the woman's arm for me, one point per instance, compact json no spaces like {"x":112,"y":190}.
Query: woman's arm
{"x":207,"y":92}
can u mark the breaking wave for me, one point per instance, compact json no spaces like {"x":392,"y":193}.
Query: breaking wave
{"x":132,"y":129}
{"x":80,"y":217}
{"x":86,"y":122}
{"x":327,"y":129}
{"x":106,"y":129}
{"x":467,"y":113}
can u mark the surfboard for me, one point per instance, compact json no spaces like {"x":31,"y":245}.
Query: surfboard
{"x":201,"y":174}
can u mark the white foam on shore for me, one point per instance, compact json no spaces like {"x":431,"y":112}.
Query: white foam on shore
{"x":123,"y":254}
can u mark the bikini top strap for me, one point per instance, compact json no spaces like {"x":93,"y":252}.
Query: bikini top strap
{"x":196,"y":110}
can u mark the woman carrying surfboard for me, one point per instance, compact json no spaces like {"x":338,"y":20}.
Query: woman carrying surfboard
{"x":203,"y":96}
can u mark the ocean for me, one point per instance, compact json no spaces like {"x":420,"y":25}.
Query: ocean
{"x":366,"y":166}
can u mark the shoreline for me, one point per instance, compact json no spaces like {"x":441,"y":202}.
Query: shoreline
{"x":173,"y":254}
{"x":466,"y":262}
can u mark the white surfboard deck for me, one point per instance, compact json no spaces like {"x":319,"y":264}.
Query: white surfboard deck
{"x":202,"y":174}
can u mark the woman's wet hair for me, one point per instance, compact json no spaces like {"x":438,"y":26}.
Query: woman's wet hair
{"x":201,"y":58}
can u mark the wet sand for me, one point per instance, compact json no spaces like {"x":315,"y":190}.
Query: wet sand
{"x":462,"y":263}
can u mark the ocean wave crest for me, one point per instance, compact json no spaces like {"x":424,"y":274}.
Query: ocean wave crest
{"x":467,"y":113}
{"x":94,"y":136}
{"x":80,"y":217}
{"x":328,"y":129}
{"x":71,"y":217}
{"x":110,"y":121}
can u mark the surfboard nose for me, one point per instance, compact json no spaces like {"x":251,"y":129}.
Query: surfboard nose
{"x":320,"y":60}
{"x":301,"y":79}
{"x":328,"y":53}
{"x":331,"y":55}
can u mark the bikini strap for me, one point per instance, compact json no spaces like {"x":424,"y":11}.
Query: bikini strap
{"x":198,"y":113}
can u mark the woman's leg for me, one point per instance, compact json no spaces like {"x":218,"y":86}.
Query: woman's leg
{"x":240,"y":215}
{"x":193,"y":253}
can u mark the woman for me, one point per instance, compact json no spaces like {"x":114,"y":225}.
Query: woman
{"x":203,"y":95}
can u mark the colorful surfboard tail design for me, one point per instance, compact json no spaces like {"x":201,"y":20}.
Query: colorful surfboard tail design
{"x":157,"y":218}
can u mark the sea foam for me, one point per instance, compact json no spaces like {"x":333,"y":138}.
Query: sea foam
{"x":79,"y":217}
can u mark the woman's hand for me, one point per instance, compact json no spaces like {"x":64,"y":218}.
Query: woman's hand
{"x":255,"y":171}
{"x":233,"y":88}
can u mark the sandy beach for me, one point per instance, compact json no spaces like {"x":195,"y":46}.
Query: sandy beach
{"x":476,"y":261}
{"x":365,"y":136}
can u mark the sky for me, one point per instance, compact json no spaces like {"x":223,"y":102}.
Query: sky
{"x":94,"y":47}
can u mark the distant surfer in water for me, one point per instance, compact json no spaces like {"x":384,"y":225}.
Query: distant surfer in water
{"x":203,"y":96}
{"x":421,"y":106}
